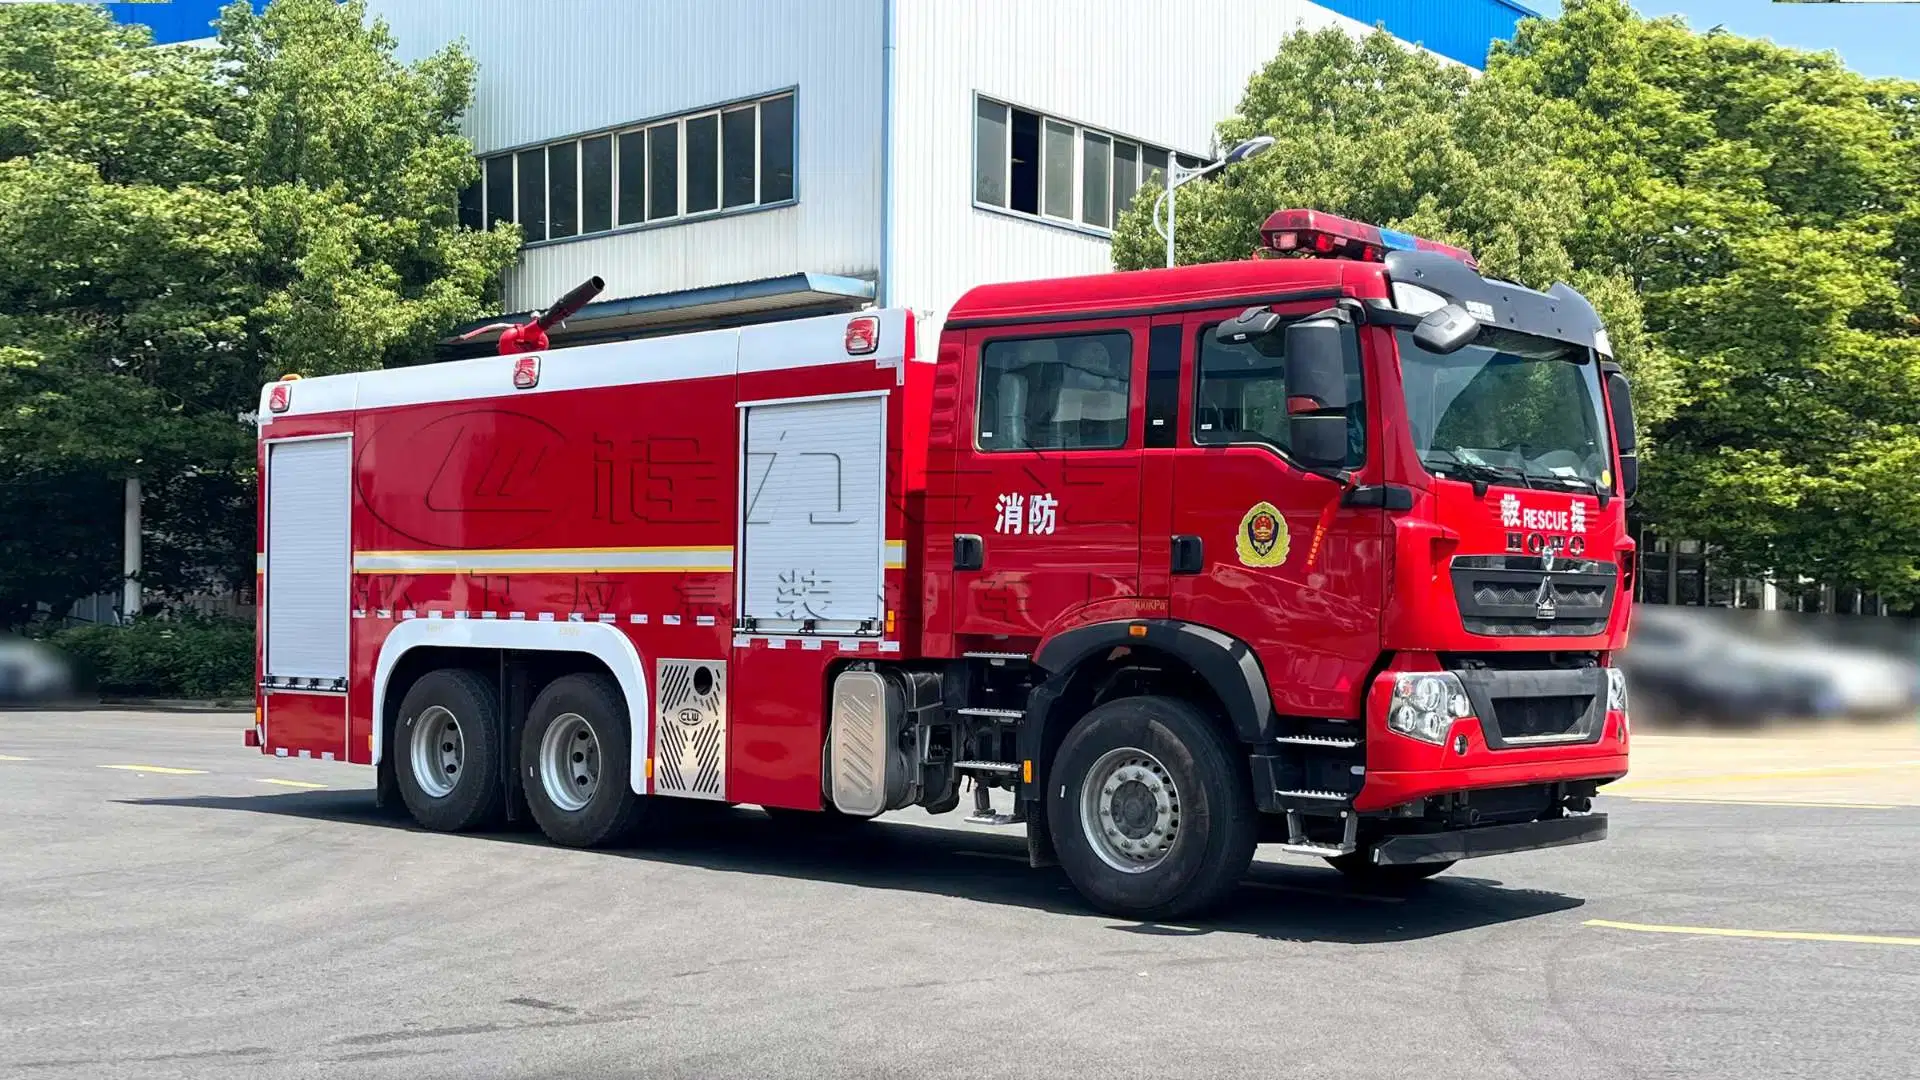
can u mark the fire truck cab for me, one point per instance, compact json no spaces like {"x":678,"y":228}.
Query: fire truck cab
{"x":1325,"y":548}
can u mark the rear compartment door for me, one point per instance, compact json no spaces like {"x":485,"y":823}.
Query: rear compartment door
{"x":306,"y":594}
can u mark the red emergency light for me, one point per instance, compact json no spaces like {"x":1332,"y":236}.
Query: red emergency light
{"x":1313,"y":234}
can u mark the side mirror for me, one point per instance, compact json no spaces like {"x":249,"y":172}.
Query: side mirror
{"x":1446,"y":330}
{"x":1620,"y":405}
{"x":1255,"y":322}
{"x":1318,"y":440}
{"x":1318,"y":352}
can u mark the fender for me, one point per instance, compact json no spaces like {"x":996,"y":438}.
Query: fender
{"x":1227,"y":663}
{"x":602,"y":641}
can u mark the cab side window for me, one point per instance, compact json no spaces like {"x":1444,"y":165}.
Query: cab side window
{"x":1064,"y":392}
{"x":1240,"y":396}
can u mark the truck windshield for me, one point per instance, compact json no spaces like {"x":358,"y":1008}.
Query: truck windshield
{"x":1509,"y":409}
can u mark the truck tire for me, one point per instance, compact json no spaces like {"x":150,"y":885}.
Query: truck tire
{"x":1150,"y":809}
{"x":447,"y":754}
{"x":1360,"y":869}
{"x":574,"y":758}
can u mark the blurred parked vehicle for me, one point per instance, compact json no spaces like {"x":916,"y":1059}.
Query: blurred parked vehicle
{"x":32,"y":673}
{"x":1693,"y":665}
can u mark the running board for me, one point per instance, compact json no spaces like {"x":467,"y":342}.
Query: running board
{"x":994,"y":714}
{"x":1006,"y":767}
{"x":1298,"y":844}
{"x":1330,"y":742}
{"x":1308,"y":793}
{"x":997,"y":657}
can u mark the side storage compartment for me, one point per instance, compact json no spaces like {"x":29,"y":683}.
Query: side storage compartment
{"x":305,"y":595}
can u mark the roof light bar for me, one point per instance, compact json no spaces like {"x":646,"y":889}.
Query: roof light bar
{"x":1313,"y":234}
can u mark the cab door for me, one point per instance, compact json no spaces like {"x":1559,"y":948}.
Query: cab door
{"x":1048,"y":532}
{"x":1262,"y":548}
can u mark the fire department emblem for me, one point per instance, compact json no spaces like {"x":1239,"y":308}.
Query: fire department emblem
{"x":1263,"y":536}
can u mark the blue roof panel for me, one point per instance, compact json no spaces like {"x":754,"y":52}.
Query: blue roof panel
{"x":174,"y":20}
{"x":1457,"y":29}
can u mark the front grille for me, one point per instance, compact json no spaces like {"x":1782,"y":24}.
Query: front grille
{"x":1522,"y":718}
{"x":1501,"y":596}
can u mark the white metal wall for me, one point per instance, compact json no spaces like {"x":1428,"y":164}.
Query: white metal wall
{"x":1164,"y":71}
{"x":549,"y":70}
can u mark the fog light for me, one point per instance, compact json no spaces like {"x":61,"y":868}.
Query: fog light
{"x":1459,"y":744}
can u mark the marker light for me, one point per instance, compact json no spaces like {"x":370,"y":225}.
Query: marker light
{"x":863,"y":335}
{"x":1310,"y":232}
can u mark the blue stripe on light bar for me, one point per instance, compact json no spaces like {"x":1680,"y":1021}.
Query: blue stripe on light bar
{"x":1398,"y":240}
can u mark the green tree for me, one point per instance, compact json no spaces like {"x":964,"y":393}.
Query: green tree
{"x":1765,"y":204}
{"x":1370,"y":129}
{"x":180,"y":224}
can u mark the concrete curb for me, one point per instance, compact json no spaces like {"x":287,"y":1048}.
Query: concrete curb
{"x":158,"y":705}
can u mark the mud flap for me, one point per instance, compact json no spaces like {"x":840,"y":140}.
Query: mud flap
{"x":1039,"y":838}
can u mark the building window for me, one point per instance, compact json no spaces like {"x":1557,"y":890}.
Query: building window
{"x":732,"y":158}
{"x":1050,"y":167}
{"x":1055,"y":393}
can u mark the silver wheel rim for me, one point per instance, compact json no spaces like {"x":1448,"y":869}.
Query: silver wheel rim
{"x":1130,"y":810}
{"x":439,"y":751}
{"x":570,"y":762}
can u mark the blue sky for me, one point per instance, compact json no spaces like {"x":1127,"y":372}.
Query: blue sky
{"x":1873,"y":39}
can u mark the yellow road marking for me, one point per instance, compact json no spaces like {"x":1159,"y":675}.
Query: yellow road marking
{"x":156,"y":769}
{"x":1758,"y":802}
{"x":1773,"y":774}
{"x":10,"y":757}
{"x":1777,"y":935}
{"x":290,"y":783}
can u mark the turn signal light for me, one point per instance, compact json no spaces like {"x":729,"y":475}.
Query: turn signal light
{"x":863,"y":335}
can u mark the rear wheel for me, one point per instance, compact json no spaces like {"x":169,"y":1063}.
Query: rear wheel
{"x":574,"y":755}
{"x":447,"y":757}
{"x":1360,"y":869}
{"x":1150,"y":809}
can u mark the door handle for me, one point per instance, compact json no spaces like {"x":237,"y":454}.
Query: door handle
{"x":1189,"y":555}
{"x":969,"y":551}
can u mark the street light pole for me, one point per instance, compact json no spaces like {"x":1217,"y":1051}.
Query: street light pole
{"x":1178,"y":177}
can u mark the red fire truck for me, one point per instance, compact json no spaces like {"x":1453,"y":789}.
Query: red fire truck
{"x":1325,"y":548}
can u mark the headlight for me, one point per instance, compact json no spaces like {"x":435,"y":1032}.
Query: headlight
{"x":1426,"y":704}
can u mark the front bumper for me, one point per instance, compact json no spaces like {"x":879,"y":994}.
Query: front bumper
{"x":1489,"y":840}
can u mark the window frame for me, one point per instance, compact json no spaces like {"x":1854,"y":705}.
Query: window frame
{"x":979,"y":346}
{"x":1074,"y":222}
{"x":677,"y":120}
{"x":1203,"y":324}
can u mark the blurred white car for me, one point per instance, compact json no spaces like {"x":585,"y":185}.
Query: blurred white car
{"x":30,"y":672}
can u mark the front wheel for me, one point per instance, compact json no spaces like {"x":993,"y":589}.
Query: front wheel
{"x":1150,"y":810}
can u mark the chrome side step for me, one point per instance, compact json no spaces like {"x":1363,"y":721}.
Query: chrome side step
{"x":996,"y":657}
{"x":1006,"y":767}
{"x":996,"y":714}
{"x":1298,"y":844}
{"x":1308,"y":793}
{"x":1331,"y":742}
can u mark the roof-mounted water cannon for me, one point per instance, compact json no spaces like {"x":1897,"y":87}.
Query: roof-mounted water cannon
{"x":531,"y":336}
{"x":1313,"y":234}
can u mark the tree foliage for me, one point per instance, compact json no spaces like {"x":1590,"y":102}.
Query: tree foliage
{"x":179,"y":224}
{"x":1746,"y":217}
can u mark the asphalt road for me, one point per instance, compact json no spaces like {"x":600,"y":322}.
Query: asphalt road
{"x":215,"y":921}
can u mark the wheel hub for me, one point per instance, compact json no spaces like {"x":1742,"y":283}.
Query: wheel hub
{"x":569,"y":762}
{"x":1130,"y":810}
{"x":438,"y":751}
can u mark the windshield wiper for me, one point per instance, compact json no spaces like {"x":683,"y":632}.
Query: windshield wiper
{"x":1479,"y":472}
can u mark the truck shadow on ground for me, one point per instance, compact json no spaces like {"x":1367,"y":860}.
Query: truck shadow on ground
{"x":1277,"y":901}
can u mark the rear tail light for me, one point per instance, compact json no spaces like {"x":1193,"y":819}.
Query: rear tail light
{"x":280,"y":398}
{"x":526,"y":372}
{"x":863,"y":335}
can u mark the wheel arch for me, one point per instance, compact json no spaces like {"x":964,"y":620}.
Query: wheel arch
{"x":1222,"y":670}
{"x":600,"y":641}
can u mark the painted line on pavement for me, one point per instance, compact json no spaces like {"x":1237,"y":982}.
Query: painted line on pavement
{"x":157,"y":769}
{"x":290,"y":783}
{"x":1775,"y":935}
{"x":1702,"y":801}
{"x":1771,"y":774}
{"x":10,"y":757}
